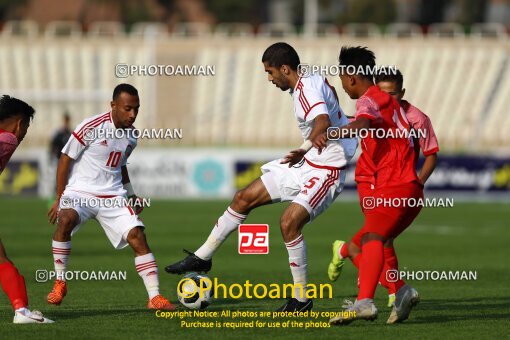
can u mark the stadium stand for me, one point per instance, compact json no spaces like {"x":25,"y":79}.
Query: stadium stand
{"x":60,"y":29}
{"x":327,"y":31}
{"x":21,"y":28}
{"x":234,"y":29}
{"x":106,"y":29}
{"x":191,"y":30}
{"x":276,"y":30}
{"x":149,"y":29}
{"x":446,"y":30}
{"x":403,"y":30}
{"x":362,"y":30}
{"x":238,"y":107}
{"x":489,"y":30}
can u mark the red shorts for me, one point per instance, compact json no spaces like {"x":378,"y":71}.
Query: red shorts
{"x":386,"y":210}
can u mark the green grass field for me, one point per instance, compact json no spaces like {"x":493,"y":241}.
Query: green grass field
{"x":470,"y":237}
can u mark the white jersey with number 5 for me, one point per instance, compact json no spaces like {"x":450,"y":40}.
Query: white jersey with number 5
{"x":312,"y":97}
{"x":98,"y":155}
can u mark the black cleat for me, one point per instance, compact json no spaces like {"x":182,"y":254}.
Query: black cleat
{"x":190,"y":263}
{"x":294,"y":305}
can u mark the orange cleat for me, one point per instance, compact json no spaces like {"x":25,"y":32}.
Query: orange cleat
{"x":159,"y":302}
{"x":58,"y":292}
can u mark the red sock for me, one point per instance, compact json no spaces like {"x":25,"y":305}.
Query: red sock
{"x":389,"y":276}
{"x":371,"y":265}
{"x":23,"y":289}
{"x":344,"y":251}
{"x":13,"y":285}
{"x":357,"y":260}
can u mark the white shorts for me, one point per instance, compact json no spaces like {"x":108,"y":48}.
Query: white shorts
{"x":311,"y":187}
{"x":116,"y":219}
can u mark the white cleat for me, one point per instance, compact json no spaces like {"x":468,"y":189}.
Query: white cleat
{"x":406,"y":298}
{"x":24,"y":315}
{"x":363,"y":309}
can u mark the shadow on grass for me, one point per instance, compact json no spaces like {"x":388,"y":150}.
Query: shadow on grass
{"x":476,"y":309}
{"x":70,"y":314}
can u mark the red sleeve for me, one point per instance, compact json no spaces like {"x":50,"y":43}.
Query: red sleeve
{"x":8,"y":144}
{"x":428,"y":143}
{"x":366,"y":107}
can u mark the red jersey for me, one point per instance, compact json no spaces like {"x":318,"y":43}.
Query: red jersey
{"x":8,"y":144}
{"x":384,"y":161}
{"x":420,"y":121}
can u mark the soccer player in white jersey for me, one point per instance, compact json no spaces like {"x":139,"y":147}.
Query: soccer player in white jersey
{"x":91,"y":170}
{"x":309,"y":177}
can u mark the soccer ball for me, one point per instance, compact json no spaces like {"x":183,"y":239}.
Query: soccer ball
{"x":195,"y":291}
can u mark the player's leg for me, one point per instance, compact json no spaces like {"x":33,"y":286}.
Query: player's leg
{"x":123,"y":227}
{"x":320,"y":188}
{"x":406,"y":297}
{"x":370,"y":239}
{"x":389,"y":277}
{"x":147,"y":268}
{"x":381,"y":224}
{"x":245,"y":200}
{"x":352,"y":250}
{"x":254,"y":195}
{"x":343,"y":250}
{"x":291,"y":223}
{"x":61,"y":248}
{"x":13,"y":285}
{"x":370,"y":263}
{"x":72,"y":212}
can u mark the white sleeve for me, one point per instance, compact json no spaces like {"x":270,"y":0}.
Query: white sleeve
{"x":312,"y":103}
{"x":73,"y":147}
{"x":77,"y":142}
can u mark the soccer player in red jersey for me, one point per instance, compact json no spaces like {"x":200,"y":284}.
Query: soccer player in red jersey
{"x":15,"y":117}
{"x":384,"y":173}
{"x":392,"y":82}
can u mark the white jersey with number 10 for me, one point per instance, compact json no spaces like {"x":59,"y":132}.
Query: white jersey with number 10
{"x":98,"y":155}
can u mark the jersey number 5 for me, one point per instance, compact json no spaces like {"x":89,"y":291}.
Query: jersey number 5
{"x":114,"y":159}
{"x":311,"y":182}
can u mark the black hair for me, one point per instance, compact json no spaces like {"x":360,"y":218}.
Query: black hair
{"x":12,"y":107}
{"x":358,"y":57}
{"x":387,"y":74}
{"x":280,"y":54}
{"x":130,"y":89}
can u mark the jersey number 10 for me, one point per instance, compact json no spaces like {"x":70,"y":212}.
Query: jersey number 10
{"x":114,"y":159}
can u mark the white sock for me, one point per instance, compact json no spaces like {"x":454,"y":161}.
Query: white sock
{"x":298,"y":266}
{"x":148,"y":271}
{"x":227,"y":223}
{"x":61,"y":251}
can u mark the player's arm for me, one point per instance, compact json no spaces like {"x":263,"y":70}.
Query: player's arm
{"x":70,"y":152}
{"x":428,"y":167}
{"x":320,"y":126}
{"x":347,"y":131}
{"x":126,"y":182}
{"x":429,"y":146}
{"x":64,"y":164}
{"x":367,"y":111}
